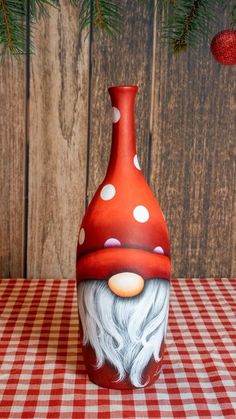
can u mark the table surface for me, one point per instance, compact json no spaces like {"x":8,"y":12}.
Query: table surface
{"x":42,"y":374}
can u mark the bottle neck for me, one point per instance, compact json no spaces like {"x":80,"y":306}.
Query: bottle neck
{"x":123,"y":147}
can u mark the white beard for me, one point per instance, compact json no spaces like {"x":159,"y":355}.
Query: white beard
{"x":126,"y":332}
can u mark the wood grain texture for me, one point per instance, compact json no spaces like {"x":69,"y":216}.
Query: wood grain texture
{"x":192,"y":159}
{"x":125,"y":60}
{"x":58,"y":144}
{"x":12,"y":142}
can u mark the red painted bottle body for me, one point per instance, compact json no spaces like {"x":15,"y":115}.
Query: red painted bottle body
{"x":123,"y":266}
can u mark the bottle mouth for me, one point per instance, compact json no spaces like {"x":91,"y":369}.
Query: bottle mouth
{"x":129,"y":87}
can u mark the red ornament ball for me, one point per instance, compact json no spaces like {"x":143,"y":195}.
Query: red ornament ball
{"x":223,"y":47}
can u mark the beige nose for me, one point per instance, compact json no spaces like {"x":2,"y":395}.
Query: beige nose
{"x":126,"y":284}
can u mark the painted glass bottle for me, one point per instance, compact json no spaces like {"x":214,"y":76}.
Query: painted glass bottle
{"x":123,"y":266}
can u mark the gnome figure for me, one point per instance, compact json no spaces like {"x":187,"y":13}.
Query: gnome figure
{"x":123,"y":266}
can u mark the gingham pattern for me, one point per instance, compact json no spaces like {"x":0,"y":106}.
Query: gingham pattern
{"x":42,"y":373}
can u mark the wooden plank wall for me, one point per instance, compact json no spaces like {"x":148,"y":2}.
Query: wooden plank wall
{"x":185,"y":120}
{"x":58,"y":128}
{"x":12,"y":168}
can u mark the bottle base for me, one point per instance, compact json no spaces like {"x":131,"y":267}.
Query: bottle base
{"x":120,"y":385}
{"x":107,"y":376}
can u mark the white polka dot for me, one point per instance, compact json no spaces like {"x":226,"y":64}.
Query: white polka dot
{"x":112,"y":242}
{"x":81,"y":236}
{"x":159,"y":250}
{"x":108,"y":192}
{"x":136,"y":162}
{"x":141,"y":214}
{"x":116,"y":116}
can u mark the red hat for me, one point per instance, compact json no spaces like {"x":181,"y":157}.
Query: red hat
{"x":124,"y":229}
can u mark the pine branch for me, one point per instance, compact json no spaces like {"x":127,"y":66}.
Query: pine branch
{"x":105,"y":15}
{"x":13,"y":15}
{"x":7,"y":23}
{"x":188,"y":22}
{"x":12,"y":27}
{"x":181,"y":41}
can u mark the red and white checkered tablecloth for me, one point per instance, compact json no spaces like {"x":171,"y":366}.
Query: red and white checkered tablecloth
{"x":42,"y":374}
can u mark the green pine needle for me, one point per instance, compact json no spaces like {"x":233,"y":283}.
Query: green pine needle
{"x":39,"y":8}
